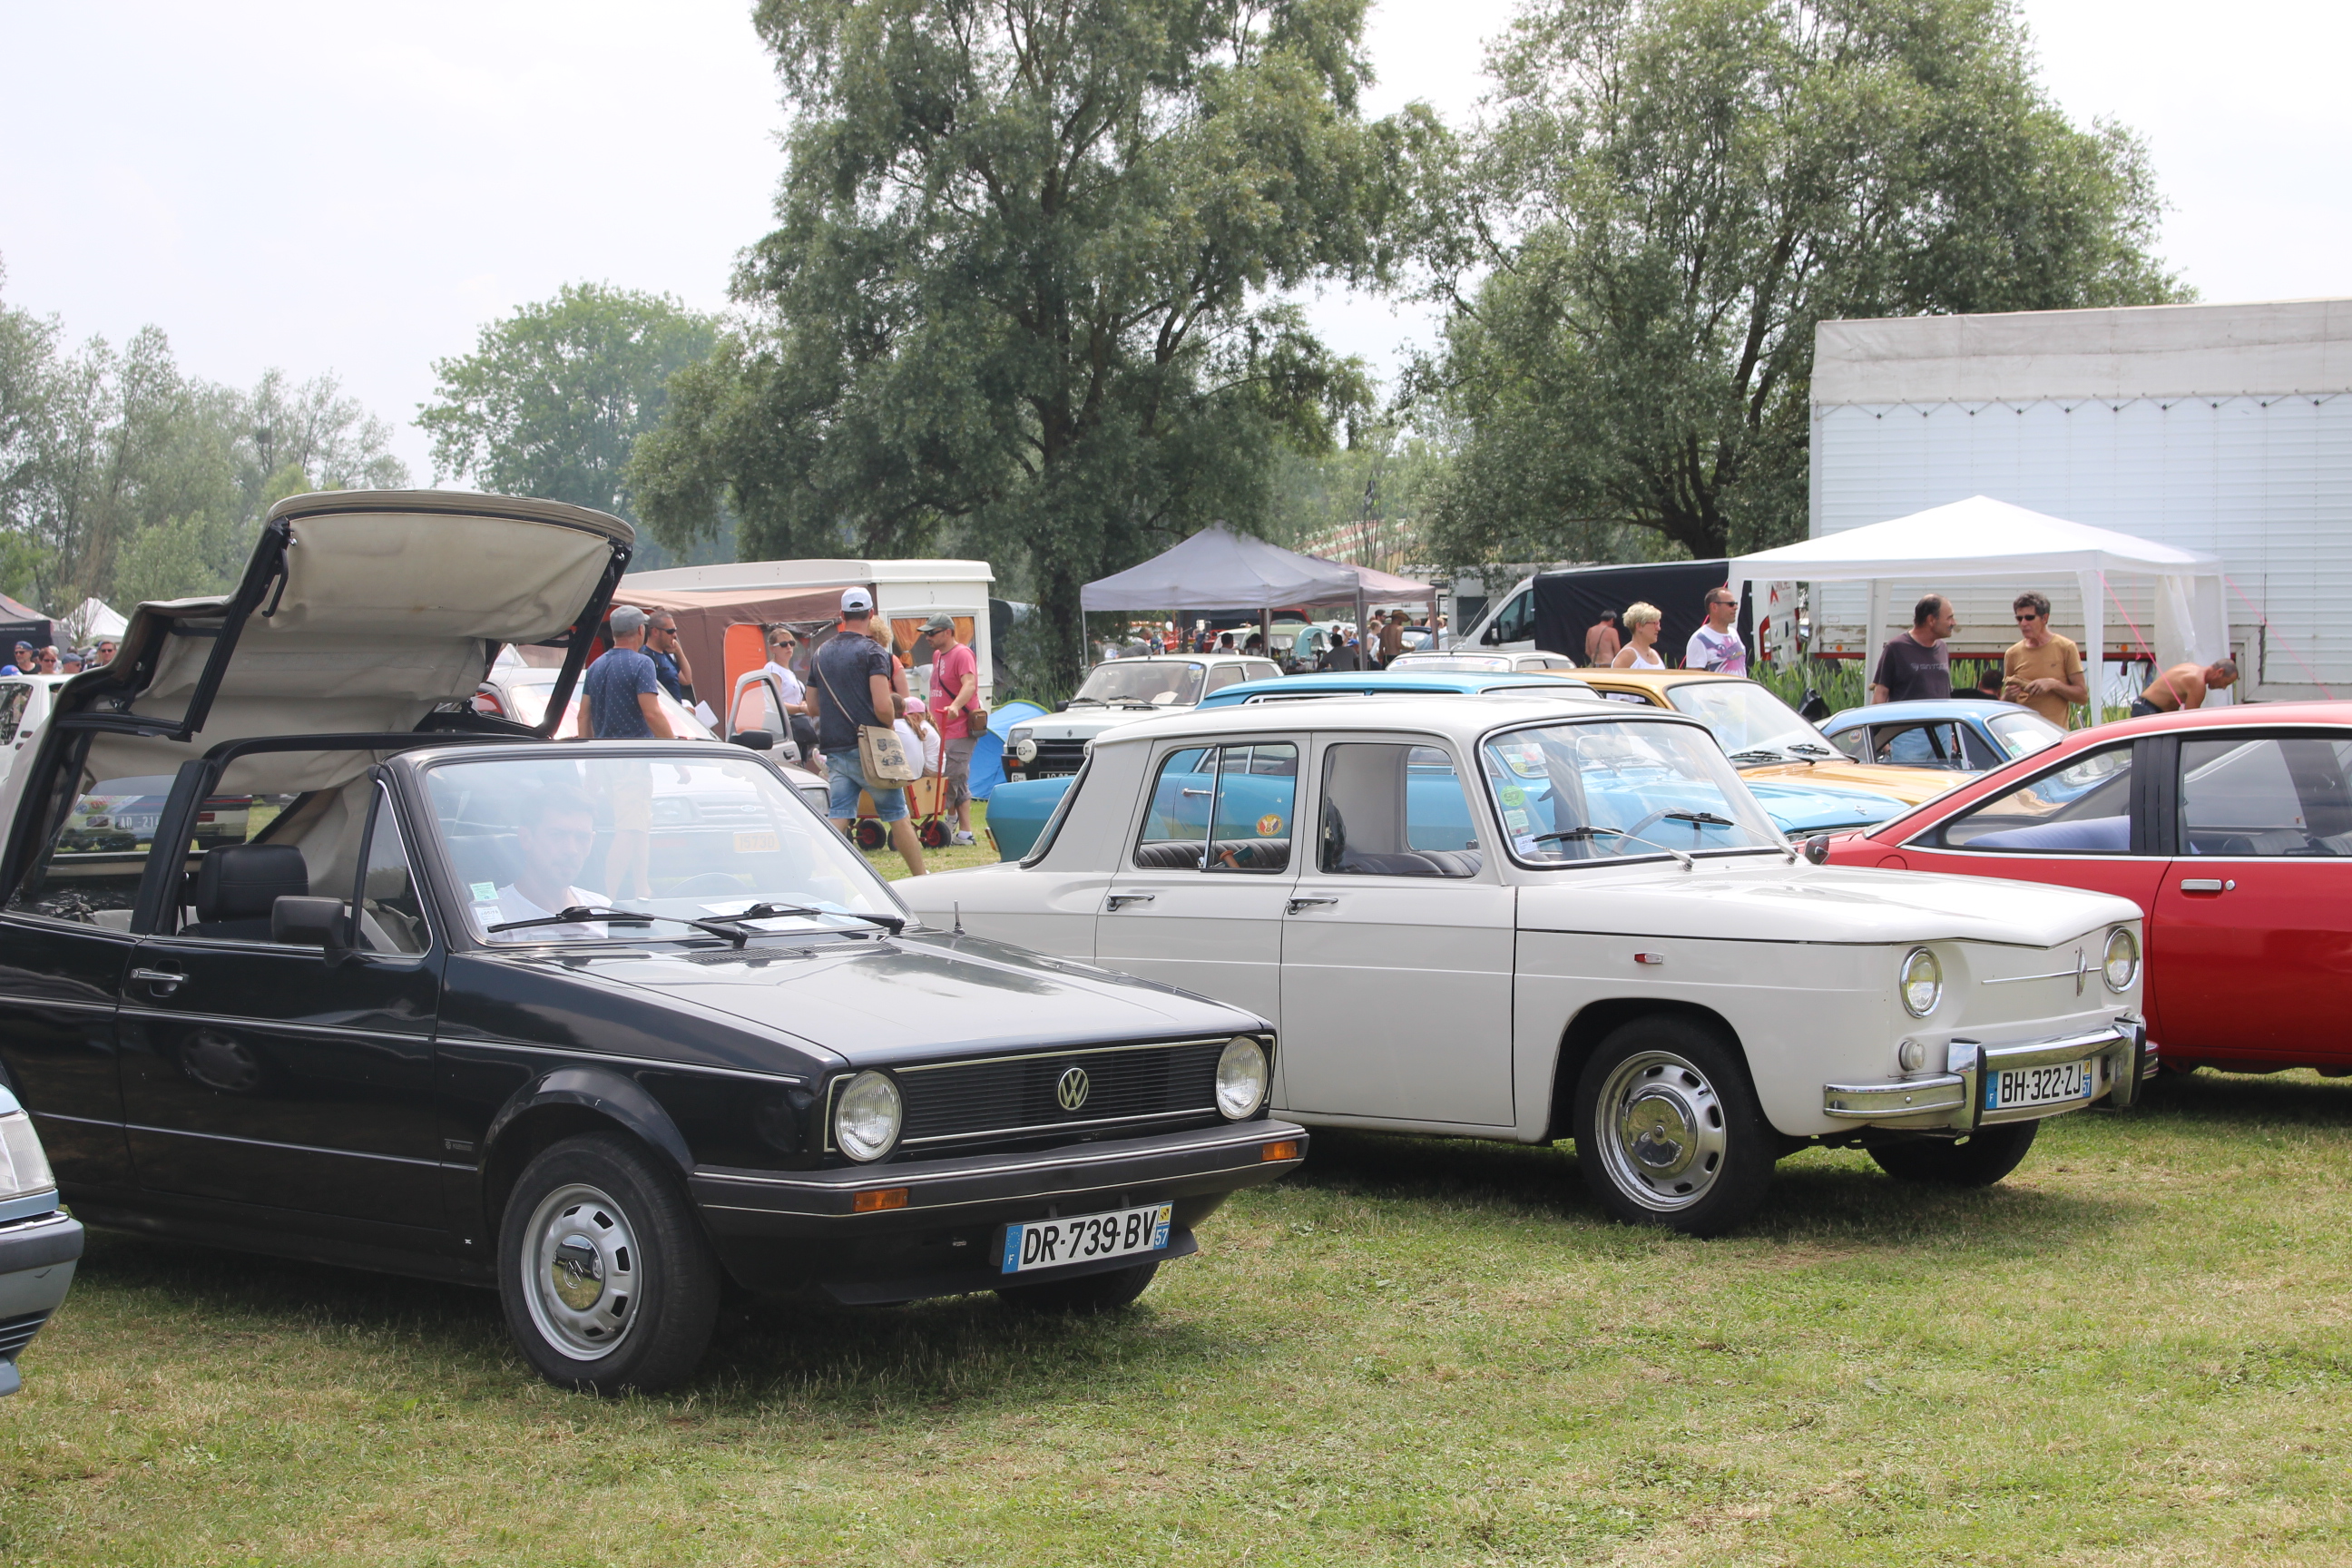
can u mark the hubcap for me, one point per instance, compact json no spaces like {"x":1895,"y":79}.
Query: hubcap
{"x":582,"y":1275}
{"x":1660,"y":1131}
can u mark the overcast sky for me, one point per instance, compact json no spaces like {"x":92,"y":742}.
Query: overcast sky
{"x":358,"y":189}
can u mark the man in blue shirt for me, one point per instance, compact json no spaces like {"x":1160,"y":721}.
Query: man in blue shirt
{"x":622,"y":702}
{"x":850,"y":682}
{"x":668,"y":654}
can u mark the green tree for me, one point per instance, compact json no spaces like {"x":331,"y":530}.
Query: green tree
{"x":120,"y":476}
{"x":1667,"y":197}
{"x":1020,"y":284}
{"x":552,"y":399}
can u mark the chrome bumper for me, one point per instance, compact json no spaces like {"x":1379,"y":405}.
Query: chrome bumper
{"x":1957,"y":1099}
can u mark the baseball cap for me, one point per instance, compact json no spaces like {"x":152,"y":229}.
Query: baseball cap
{"x":627,"y":621}
{"x":857,"y":602}
{"x":941,"y":622}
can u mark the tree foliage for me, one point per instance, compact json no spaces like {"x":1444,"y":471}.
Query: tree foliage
{"x":1020,"y":282}
{"x":1669,"y":194}
{"x":121,"y":477}
{"x":552,"y":399}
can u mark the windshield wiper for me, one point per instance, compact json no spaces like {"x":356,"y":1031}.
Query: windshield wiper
{"x":1759,"y":754}
{"x":891,"y":923}
{"x":579,"y":914}
{"x":1687,"y":863}
{"x":1809,"y":749}
{"x":1708,"y":817}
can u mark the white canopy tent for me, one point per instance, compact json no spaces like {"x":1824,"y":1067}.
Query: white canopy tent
{"x":1982,"y":538}
{"x":92,"y":619}
{"x":1217,"y":568}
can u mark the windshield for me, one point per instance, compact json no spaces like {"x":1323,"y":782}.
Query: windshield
{"x":2021,"y":733}
{"x":1753,"y":724}
{"x":1161,"y":684}
{"x":691,"y":837}
{"x":1570,"y":793}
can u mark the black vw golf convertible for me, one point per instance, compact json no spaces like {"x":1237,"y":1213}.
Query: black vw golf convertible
{"x":374,"y":979}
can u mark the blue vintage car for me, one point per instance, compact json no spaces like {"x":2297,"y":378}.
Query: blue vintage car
{"x":1966,"y":734}
{"x":1017,"y":812}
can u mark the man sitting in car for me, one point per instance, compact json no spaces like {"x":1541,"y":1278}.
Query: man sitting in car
{"x":557,"y":831}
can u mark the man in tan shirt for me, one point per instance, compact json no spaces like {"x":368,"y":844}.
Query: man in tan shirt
{"x":2042,"y":670}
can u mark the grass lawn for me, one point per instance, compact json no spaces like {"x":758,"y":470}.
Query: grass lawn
{"x":2136,"y":1351}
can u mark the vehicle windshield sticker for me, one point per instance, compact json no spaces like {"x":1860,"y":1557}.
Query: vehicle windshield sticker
{"x":1513,"y":794}
{"x":485,"y":890}
{"x":1525,"y":758}
{"x":1516,"y":820}
{"x":1269,"y":826}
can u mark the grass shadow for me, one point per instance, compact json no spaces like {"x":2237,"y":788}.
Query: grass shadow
{"x":2210,"y":1097}
{"x":1814,"y":1197}
{"x":849,"y":1364}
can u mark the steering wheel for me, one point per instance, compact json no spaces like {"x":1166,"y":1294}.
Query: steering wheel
{"x":1635,"y":831}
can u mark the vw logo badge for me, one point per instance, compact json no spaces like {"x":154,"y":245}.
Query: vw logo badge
{"x":1071,"y":1091}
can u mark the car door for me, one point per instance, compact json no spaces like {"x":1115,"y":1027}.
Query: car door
{"x":1199,"y":895}
{"x":2252,"y":941}
{"x":2085,"y":821}
{"x":65,"y":944}
{"x":270,"y":1074}
{"x":1397,"y":946}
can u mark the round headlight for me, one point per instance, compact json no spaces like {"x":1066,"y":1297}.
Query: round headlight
{"x":1923,"y":982}
{"x":2122,"y":962}
{"x":865,"y":1118}
{"x":1241,"y":1078}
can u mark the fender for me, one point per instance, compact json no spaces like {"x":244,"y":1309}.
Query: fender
{"x":605,"y":1092}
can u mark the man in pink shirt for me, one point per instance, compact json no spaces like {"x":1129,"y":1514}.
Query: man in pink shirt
{"x":955,"y":693}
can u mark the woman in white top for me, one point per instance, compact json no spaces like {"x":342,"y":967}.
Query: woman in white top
{"x":1641,"y":649}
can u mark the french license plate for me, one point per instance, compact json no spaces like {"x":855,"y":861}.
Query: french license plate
{"x":2020,"y":1088}
{"x":1053,"y":1243}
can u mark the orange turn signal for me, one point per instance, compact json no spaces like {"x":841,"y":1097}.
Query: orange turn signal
{"x":877,"y":1198}
{"x":1285,"y":1150}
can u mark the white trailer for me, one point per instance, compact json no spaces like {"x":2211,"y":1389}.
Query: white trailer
{"x":2225,"y":429}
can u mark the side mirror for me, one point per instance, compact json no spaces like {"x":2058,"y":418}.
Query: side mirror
{"x":755,"y":739}
{"x":312,"y":922}
{"x":1062,"y":706}
{"x":1493,"y":634}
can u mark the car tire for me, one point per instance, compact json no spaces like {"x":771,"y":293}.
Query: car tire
{"x":1668,"y":1131}
{"x":609,"y":1284}
{"x":1978,"y":1159}
{"x":1088,"y":1293}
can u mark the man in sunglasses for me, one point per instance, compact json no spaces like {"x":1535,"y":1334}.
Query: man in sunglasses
{"x":2042,"y":670}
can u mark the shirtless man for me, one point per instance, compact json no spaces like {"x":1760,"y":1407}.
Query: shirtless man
{"x":2184,"y":686}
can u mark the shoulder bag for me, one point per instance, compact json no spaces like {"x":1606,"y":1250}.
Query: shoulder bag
{"x":881,"y":757}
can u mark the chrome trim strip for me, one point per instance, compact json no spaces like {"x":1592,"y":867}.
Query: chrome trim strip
{"x":2021,"y":979}
{"x":851,"y":1177}
{"x":582,"y":1054}
{"x":292,"y":1148}
{"x":1070,"y":1051}
{"x":12,"y":999}
{"x":252,"y":1021}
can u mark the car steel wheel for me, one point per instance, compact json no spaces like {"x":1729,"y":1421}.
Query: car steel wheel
{"x":1663,"y":1131}
{"x":583,"y":1272}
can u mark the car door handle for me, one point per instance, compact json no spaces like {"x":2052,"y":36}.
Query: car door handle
{"x":162,"y":981}
{"x":1297,"y":904}
{"x":1188,"y":791}
{"x":2206,"y":885}
{"x":1118,"y":902}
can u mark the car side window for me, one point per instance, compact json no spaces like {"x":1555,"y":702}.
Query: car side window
{"x":2275,"y":795}
{"x":1225,"y":675}
{"x":13,"y":698}
{"x":2082,"y":808}
{"x":392,"y":915}
{"x":1933,"y":743}
{"x":1222,"y":808}
{"x":1394,"y":810}
{"x":1516,"y":622}
{"x":1854,"y":743}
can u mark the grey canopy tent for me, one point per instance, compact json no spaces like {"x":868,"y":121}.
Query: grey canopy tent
{"x":1218,"y":569}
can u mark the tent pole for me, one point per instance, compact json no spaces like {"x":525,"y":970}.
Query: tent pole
{"x":1265,"y":630}
{"x":2094,"y":643}
{"x":1363,"y":650}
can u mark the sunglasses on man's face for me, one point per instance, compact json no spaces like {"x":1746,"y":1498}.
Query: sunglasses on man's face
{"x":2027,"y":619}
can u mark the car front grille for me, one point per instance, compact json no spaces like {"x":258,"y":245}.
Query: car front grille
{"x":1054,"y":758}
{"x":16,"y":1333}
{"x":955,"y":1104}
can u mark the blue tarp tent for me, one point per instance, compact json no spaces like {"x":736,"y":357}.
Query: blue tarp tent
{"x":988,"y":754}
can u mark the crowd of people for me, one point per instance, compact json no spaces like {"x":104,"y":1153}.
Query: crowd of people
{"x":53,"y":660}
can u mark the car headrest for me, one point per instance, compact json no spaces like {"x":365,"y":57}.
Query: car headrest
{"x":241,"y":881}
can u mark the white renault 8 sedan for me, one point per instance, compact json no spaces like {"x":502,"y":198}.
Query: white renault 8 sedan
{"x":1506,"y":918}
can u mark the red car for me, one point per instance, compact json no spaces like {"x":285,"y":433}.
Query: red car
{"x":2223,"y":825}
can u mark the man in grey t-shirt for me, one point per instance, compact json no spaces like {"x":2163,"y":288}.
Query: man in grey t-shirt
{"x":1917,"y":663}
